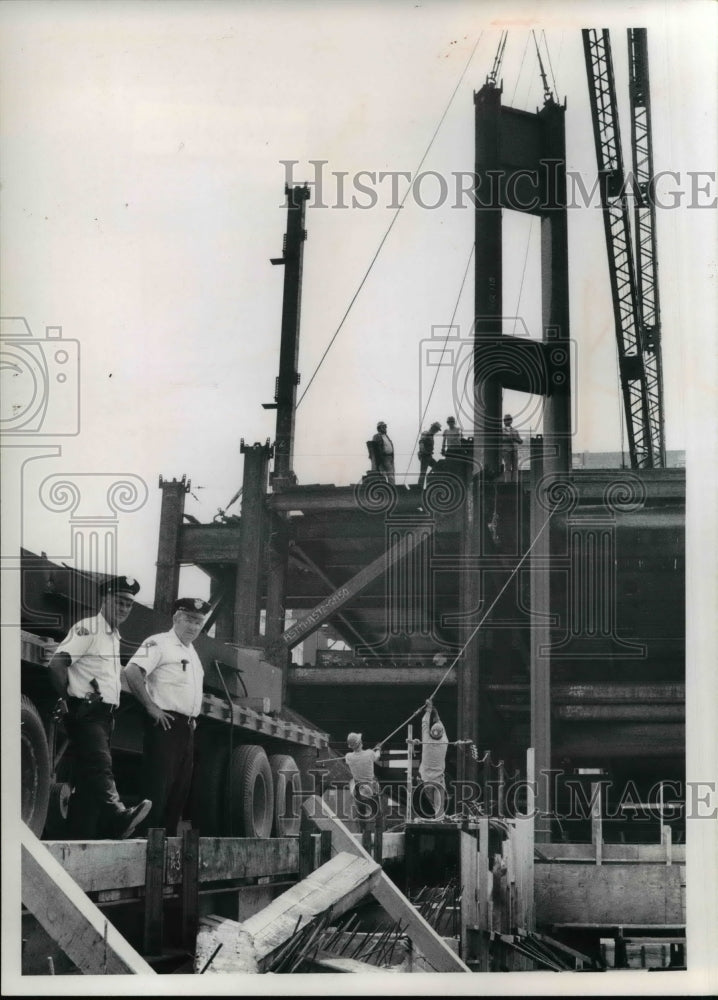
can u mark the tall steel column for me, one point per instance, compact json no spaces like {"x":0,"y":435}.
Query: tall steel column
{"x":168,"y":547}
{"x":250,"y":559}
{"x":285,"y":395}
{"x":520,"y":166}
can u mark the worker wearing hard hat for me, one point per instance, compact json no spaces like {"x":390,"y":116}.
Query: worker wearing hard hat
{"x":433,"y":759}
{"x":166,"y":676}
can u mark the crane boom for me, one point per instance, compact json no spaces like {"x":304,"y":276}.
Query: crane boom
{"x":644,"y":217}
{"x":614,"y":202}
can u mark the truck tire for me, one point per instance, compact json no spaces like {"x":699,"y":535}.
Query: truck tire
{"x":251,"y":809}
{"x":209,"y":788}
{"x":35,"y":767}
{"x":58,"y":804}
{"x":287,"y":795}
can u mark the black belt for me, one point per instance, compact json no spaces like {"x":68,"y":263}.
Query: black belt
{"x":71,"y":700}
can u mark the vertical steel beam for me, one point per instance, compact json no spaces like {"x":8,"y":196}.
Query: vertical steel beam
{"x":554,"y":290}
{"x":168,"y":548}
{"x":250,"y":561}
{"x":540,"y":641}
{"x":488,"y":289}
{"x":288,"y":379}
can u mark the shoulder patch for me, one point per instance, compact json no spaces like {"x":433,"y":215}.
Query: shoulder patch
{"x":81,"y":630}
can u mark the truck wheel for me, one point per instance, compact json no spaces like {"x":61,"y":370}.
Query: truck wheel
{"x":209,"y":788}
{"x":35,"y":767}
{"x":252,"y":805}
{"x":59,"y":801}
{"x":287,"y":795}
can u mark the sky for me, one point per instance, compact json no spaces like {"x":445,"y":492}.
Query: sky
{"x":145,"y":151}
{"x":141,"y":151}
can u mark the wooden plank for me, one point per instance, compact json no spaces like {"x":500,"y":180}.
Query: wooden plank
{"x":99,"y":865}
{"x":336,"y":963}
{"x":190,"y":887}
{"x":70,"y":918}
{"x":597,"y":821}
{"x":154,"y":886}
{"x":434,"y":949}
{"x":306,"y":853}
{"x":484,"y":923}
{"x":613,"y":894}
{"x":612,"y":852}
{"x":469,"y":858}
{"x":336,"y":886}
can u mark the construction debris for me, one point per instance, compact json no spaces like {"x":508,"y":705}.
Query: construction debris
{"x":258,"y":943}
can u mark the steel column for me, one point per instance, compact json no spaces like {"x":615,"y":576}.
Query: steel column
{"x":168,"y":548}
{"x":247,"y":603}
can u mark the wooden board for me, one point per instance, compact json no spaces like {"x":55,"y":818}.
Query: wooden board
{"x":106,"y":865}
{"x":431,"y":945}
{"x":337,"y":886}
{"x":70,"y":918}
{"x":98,"y":865}
{"x":609,"y":894}
{"x":611,"y":853}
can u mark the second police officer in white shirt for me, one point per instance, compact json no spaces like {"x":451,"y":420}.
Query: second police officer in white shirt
{"x":166,"y":676}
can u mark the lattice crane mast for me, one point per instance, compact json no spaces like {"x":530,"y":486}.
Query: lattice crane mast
{"x":638,"y":359}
{"x":644,"y":217}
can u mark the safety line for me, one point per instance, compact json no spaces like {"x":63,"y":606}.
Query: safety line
{"x":486,"y":614}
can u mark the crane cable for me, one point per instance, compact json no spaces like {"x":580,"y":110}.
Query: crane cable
{"x":483,"y":619}
{"x":391,"y":224}
{"x":458,"y":656}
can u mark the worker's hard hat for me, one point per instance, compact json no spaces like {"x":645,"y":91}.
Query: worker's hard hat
{"x":353,"y":740}
{"x":437,"y":731}
{"x":508,"y":418}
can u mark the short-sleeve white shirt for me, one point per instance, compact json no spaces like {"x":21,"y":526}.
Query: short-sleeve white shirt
{"x":174,"y":673}
{"x":94,"y":650}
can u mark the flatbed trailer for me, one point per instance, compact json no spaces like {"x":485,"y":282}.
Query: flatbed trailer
{"x":254,"y":756}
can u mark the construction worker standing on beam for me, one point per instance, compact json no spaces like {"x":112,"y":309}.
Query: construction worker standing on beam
{"x":433,"y":759}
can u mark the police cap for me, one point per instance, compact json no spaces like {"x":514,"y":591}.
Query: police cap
{"x":195,"y":605}
{"x":119,"y":585}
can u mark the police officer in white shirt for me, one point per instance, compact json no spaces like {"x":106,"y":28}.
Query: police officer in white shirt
{"x":85,"y":671}
{"x":166,"y":676}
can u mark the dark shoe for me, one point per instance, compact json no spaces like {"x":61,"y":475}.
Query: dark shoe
{"x":132,"y":818}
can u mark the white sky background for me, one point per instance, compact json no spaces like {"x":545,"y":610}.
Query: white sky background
{"x":141,"y":191}
{"x":142,"y":194}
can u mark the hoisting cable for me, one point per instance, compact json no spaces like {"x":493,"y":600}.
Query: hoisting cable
{"x":391,"y":224}
{"x":547,"y":95}
{"x":550,"y":66}
{"x":483,"y":619}
{"x":498,"y":59}
{"x":458,"y":656}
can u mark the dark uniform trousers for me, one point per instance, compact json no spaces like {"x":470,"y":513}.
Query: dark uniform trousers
{"x":95,"y":805}
{"x":167,"y":769}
